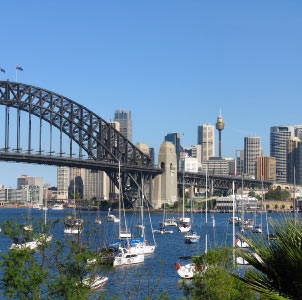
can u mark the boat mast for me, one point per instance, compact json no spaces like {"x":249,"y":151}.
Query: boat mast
{"x":295,"y":204}
{"x":119,"y":199}
{"x":142,"y":209}
{"x":45,"y":211}
{"x":242,"y":204}
{"x":267,"y":227}
{"x":183,"y":190}
{"x":233,"y":187}
{"x":206,"y":241}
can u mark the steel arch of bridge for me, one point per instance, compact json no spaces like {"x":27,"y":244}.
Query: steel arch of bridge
{"x":94,"y":135}
{"x":104,"y":145}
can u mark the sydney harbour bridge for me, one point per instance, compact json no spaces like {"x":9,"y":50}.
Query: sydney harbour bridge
{"x":43,"y":127}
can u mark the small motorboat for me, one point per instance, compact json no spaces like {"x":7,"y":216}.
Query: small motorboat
{"x":192,"y":238}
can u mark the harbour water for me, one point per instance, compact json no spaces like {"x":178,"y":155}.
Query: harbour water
{"x":137,"y":281}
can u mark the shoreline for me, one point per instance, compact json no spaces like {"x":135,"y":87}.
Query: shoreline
{"x":161,"y":210}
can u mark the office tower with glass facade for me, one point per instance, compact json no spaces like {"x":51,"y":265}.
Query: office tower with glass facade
{"x":279,"y":136}
{"x":294,"y":161}
{"x":206,"y":138}
{"x":123,"y":117}
{"x":252,"y":150}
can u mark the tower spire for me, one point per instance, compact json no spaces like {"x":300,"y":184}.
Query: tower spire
{"x":220,"y":127}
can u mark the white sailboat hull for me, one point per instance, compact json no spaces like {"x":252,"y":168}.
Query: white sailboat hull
{"x":142,"y":248}
{"x":186,"y":271}
{"x":126,"y":258}
{"x":184,"y":229}
{"x":72,"y":230}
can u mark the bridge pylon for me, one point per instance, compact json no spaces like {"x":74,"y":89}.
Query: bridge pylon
{"x":165,"y":184}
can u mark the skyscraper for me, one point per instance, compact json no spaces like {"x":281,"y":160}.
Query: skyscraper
{"x":125,"y":120}
{"x":62,"y":183}
{"x":294,"y":161}
{"x":279,"y":135}
{"x":298,"y":131}
{"x":206,"y":138}
{"x":252,"y":150}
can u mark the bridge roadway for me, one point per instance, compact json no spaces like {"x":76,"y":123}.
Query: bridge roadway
{"x":54,"y":160}
{"x":195,"y":179}
{"x":219,"y":182}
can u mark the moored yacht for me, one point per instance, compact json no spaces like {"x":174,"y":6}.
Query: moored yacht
{"x":192,"y":238}
{"x":124,"y":257}
{"x":184,"y":224}
{"x":58,"y":207}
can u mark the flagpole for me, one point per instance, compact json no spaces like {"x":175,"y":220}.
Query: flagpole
{"x":16,"y":75}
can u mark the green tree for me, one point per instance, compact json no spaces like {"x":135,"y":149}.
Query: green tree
{"x":277,"y":272}
{"x":217,"y":282}
{"x":55,"y":271}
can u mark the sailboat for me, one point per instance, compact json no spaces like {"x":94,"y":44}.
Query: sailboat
{"x":184,"y":223}
{"x":111,"y":217}
{"x":72,"y":224}
{"x":187,"y":271}
{"x":124,"y":257}
{"x":98,"y":219}
{"x":192,"y":237}
{"x":257,"y":228}
{"x":140,"y":246}
{"x":29,"y":226}
{"x":162,"y":228}
{"x":26,"y":243}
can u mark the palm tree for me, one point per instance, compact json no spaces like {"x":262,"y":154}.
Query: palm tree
{"x":277,"y":272}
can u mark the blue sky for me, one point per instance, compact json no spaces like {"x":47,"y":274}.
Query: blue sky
{"x":174,"y":63}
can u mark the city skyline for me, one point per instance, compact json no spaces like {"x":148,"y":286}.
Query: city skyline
{"x":173,"y":74}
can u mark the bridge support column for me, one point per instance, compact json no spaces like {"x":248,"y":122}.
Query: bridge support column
{"x":165,"y":185}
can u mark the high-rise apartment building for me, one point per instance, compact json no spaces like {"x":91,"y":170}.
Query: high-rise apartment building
{"x":266,"y":168}
{"x":279,"y":136}
{"x":252,"y":150}
{"x":294,"y":161}
{"x":206,"y":138}
{"x":62,"y":183}
{"x":175,"y":139}
{"x":123,"y":117}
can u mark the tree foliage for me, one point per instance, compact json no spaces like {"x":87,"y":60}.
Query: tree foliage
{"x":277,"y":272}
{"x":217,"y":282}
{"x":277,"y":194}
